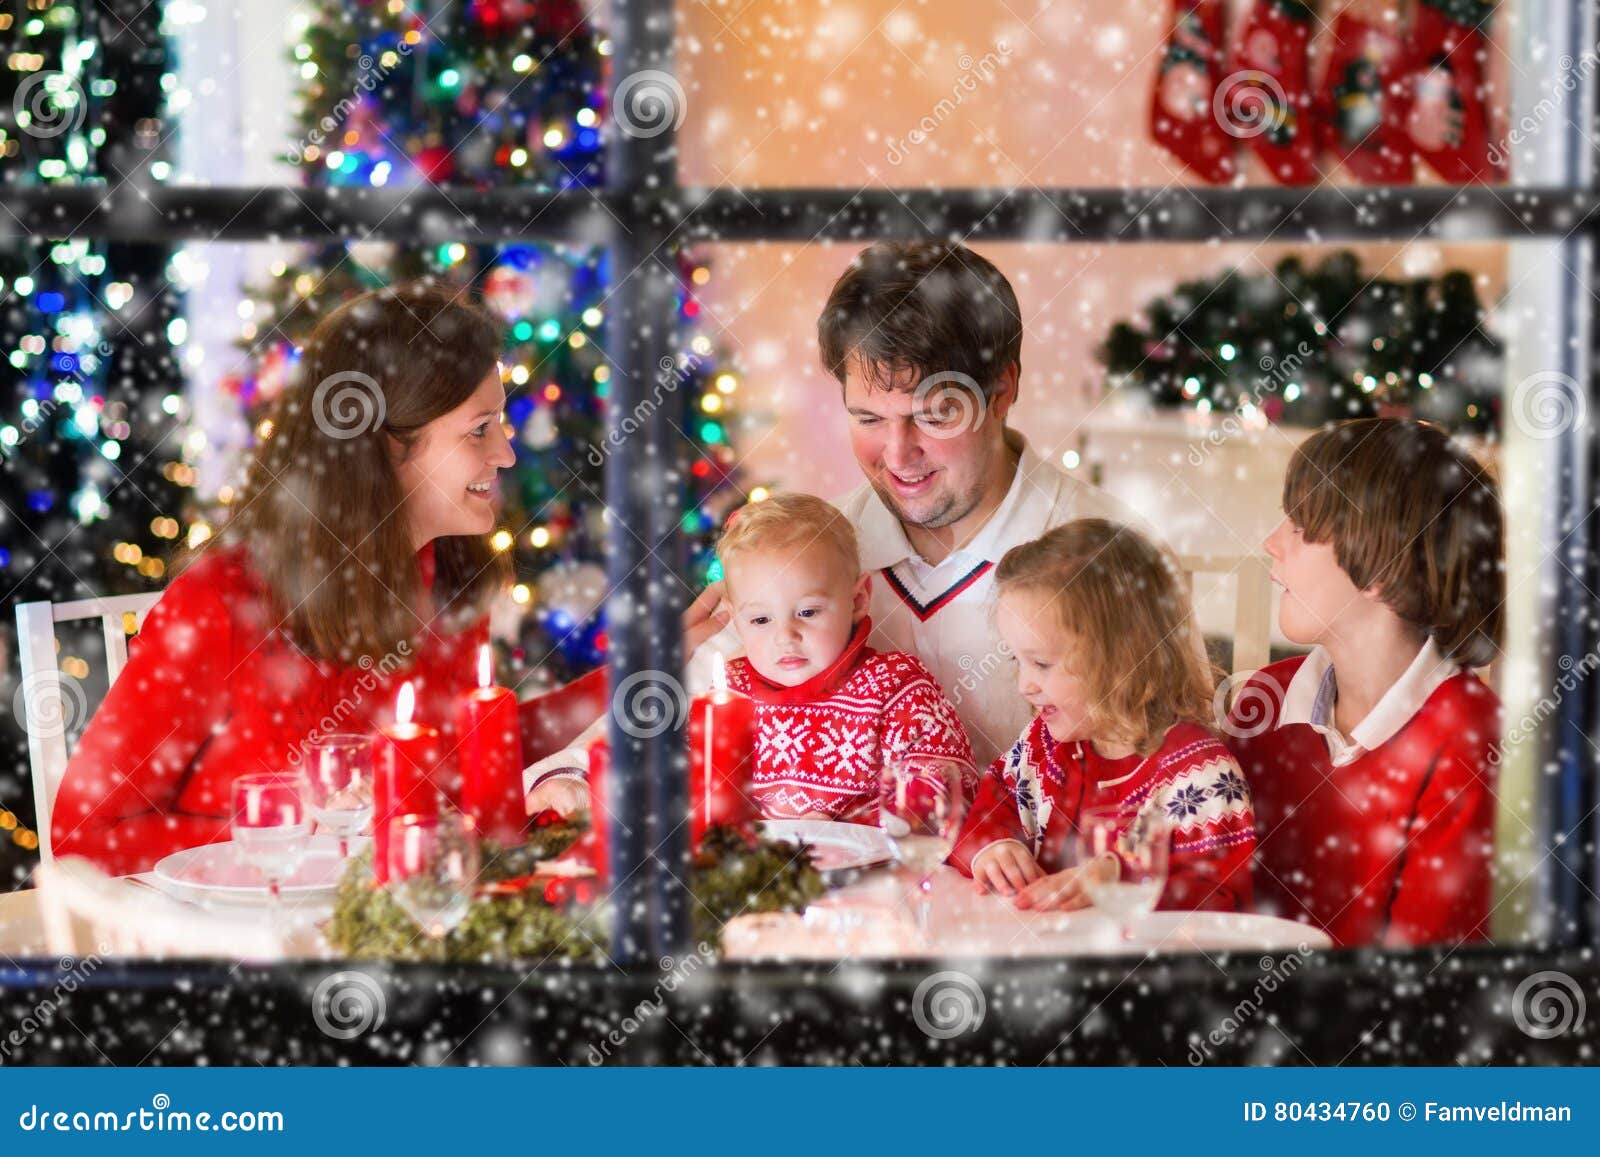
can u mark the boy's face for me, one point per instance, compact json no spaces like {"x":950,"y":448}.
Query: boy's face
{"x":794,"y":609}
{"x":1031,"y":629}
{"x":1317,"y":593}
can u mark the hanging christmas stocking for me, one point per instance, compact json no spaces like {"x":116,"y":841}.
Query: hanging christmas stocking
{"x":1266,"y":97}
{"x":1362,"y":104}
{"x":1449,"y":117}
{"x":1182,"y":117}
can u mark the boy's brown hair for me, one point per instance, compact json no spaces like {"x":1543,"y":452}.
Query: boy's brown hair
{"x":786,"y":520}
{"x":1124,"y":603}
{"x":1412,"y":515}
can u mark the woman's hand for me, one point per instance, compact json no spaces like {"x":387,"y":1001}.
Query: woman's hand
{"x":1065,"y":891}
{"x":706,"y":617}
{"x":561,"y":794}
{"x":1005,"y":867}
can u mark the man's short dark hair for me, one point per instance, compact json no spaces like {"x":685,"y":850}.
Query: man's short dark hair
{"x":927,"y":306}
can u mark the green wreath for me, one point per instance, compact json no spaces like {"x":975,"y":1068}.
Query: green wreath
{"x":728,"y":877}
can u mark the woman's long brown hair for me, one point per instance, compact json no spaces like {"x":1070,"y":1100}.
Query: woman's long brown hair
{"x":321,"y":509}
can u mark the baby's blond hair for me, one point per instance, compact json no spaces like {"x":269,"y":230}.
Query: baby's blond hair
{"x":788,"y":520}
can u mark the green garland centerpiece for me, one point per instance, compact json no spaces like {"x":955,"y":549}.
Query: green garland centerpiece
{"x":729,"y":876}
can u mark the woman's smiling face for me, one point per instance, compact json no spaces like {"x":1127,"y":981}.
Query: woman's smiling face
{"x":448,"y":473}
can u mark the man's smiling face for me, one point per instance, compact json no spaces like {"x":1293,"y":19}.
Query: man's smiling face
{"x":928,"y":454}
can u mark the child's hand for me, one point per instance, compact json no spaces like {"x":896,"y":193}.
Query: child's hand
{"x":562,"y":794}
{"x":1005,"y":867}
{"x":1064,"y":891}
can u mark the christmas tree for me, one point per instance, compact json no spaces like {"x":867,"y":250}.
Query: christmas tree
{"x":494,"y":95}
{"x":1305,"y":346}
{"x":93,"y":488}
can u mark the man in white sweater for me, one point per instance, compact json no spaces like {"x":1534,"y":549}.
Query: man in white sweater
{"x":925,"y":339}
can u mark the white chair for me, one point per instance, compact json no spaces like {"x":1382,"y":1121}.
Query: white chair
{"x":1252,"y":606}
{"x":88,"y":913}
{"x":46,"y":705}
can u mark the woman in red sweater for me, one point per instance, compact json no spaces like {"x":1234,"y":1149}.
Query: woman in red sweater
{"x":1371,"y":760}
{"x":356,"y":558}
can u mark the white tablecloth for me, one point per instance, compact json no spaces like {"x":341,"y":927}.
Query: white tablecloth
{"x":873,"y":918}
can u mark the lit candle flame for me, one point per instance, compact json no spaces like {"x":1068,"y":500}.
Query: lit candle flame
{"x":719,"y":673}
{"x":485,"y":667}
{"x":405,"y":704}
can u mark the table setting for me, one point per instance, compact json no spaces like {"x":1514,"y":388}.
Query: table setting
{"x":376,"y":846}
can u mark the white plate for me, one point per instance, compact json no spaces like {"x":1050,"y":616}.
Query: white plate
{"x":216,"y":873}
{"x":835,"y":846}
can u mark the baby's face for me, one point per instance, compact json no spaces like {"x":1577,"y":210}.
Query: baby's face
{"x":794,"y":610}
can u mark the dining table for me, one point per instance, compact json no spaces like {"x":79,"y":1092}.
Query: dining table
{"x":867,"y":915}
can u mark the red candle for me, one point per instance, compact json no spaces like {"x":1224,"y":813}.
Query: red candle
{"x":722,"y":745}
{"x":593,"y":848}
{"x":491,"y":756}
{"x":405,"y":761}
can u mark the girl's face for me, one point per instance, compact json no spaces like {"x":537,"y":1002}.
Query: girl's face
{"x":794,"y":610}
{"x":1317,"y":592}
{"x":448,"y":474}
{"x":1041,"y":650}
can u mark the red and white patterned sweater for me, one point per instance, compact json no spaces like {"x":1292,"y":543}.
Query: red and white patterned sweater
{"x":1035,"y":792}
{"x":820,"y":746}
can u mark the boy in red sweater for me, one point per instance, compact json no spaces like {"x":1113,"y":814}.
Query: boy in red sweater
{"x":829,"y":708}
{"x":1371,"y":760}
{"x":1098,"y":621}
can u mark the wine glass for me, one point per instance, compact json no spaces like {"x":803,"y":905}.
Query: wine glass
{"x":1124,"y":864}
{"x":433,"y":869}
{"x":340,"y":777}
{"x":271,"y":825}
{"x":920,"y":809}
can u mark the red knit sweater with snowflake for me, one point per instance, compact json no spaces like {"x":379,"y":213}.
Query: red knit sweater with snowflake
{"x":1035,"y":792}
{"x":1395,"y":847}
{"x":820,"y":746}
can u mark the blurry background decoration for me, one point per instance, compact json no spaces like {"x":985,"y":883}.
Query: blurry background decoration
{"x":484,"y":95}
{"x":94,"y":471}
{"x":1306,"y":345}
